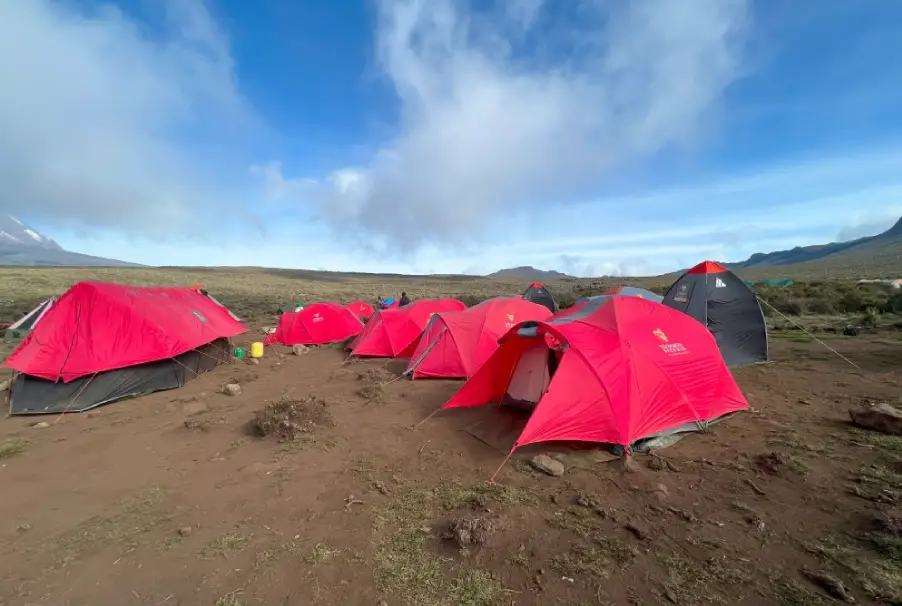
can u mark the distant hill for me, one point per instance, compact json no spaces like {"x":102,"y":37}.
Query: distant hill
{"x":872,"y":256}
{"x":861,"y":248}
{"x":25,"y":246}
{"x":527,"y":272}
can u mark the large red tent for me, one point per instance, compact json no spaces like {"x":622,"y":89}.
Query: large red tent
{"x":620,"y":370}
{"x":102,"y":342}
{"x":454,"y":345}
{"x":316,"y":324}
{"x":394,"y":333}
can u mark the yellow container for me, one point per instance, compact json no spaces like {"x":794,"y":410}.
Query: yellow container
{"x":257,"y":350}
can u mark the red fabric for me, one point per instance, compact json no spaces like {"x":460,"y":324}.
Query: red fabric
{"x":316,"y":324}
{"x":632,"y":369}
{"x":456,"y":344}
{"x":707,"y":267}
{"x":361,"y":309}
{"x":98,"y":326}
{"x":393,"y":333}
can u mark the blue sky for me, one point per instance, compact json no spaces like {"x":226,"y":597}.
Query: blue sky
{"x":431,"y":136}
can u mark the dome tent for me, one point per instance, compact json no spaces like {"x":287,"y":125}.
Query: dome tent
{"x":619,"y":371}
{"x":394,"y":333}
{"x":316,"y":324}
{"x":454,"y":345}
{"x":101,"y":342}
{"x":537,"y":293}
{"x":720,"y":300}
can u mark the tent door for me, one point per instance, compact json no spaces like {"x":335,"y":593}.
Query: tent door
{"x":530,"y":379}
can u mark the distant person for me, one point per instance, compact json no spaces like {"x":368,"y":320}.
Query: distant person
{"x":404,"y":300}
{"x":380,"y":302}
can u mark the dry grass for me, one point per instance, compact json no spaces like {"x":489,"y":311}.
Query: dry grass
{"x":255,"y":293}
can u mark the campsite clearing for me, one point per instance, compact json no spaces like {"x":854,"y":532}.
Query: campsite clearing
{"x":174,"y":498}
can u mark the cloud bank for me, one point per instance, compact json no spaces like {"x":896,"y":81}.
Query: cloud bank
{"x":488,"y":129}
{"x":96,"y":116}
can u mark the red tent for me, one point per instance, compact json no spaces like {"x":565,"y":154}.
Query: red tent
{"x":393,"y":333}
{"x":97,"y":326}
{"x":456,"y":344}
{"x":316,"y":324}
{"x":109,"y":341}
{"x":620,"y":370}
{"x":361,"y":309}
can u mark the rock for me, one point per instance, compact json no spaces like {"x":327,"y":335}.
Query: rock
{"x":41,"y":425}
{"x":4,"y":385}
{"x":23,"y":527}
{"x":299,"y":350}
{"x":630,"y":465}
{"x":231,"y":389}
{"x":546,"y":464}
{"x":882,"y":417}
{"x":638,"y":528}
{"x":252,"y":361}
{"x":830,"y":584}
{"x":184,"y":531}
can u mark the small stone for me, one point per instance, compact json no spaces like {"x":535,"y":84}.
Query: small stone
{"x":381,"y":603}
{"x":232,"y":389}
{"x":41,"y":425}
{"x":23,"y":527}
{"x":184,"y":531}
{"x":657,"y":464}
{"x":546,"y":464}
{"x":253,"y":361}
{"x":4,"y":385}
{"x":299,"y":350}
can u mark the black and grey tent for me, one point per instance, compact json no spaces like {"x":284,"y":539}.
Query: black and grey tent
{"x":540,"y":295}
{"x":719,"y":299}
{"x":17,"y":331}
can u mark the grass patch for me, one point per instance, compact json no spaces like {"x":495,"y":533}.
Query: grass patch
{"x":11,"y":447}
{"x":692,"y":582}
{"x":879,"y":441}
{"x":320,"y":554}
{"x":226,"y":546}
{"x":790,"y":592}
{"x":139,"y":514}
{"x":880,"y":578}
{"x":230,"y":599}
{"x":407,"y":568}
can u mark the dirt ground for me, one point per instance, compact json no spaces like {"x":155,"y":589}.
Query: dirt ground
{"x":174,"y":499}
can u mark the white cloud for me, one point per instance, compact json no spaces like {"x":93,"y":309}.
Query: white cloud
{"x":487,"y":129}
{"x":587,"y":240}
{"x":96,"y":116}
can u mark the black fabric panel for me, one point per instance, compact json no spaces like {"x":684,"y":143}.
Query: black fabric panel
{"x":31,"y":395}
{"x":541,"y":296}
{"x":724,"y":304}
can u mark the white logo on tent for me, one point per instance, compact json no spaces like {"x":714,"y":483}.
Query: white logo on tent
{"x":317,"y":318}
{"x":718,"y":283}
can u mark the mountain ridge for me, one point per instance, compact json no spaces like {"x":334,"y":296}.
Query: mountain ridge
{"x":23,"y":246}
{"x":528,"y":272}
